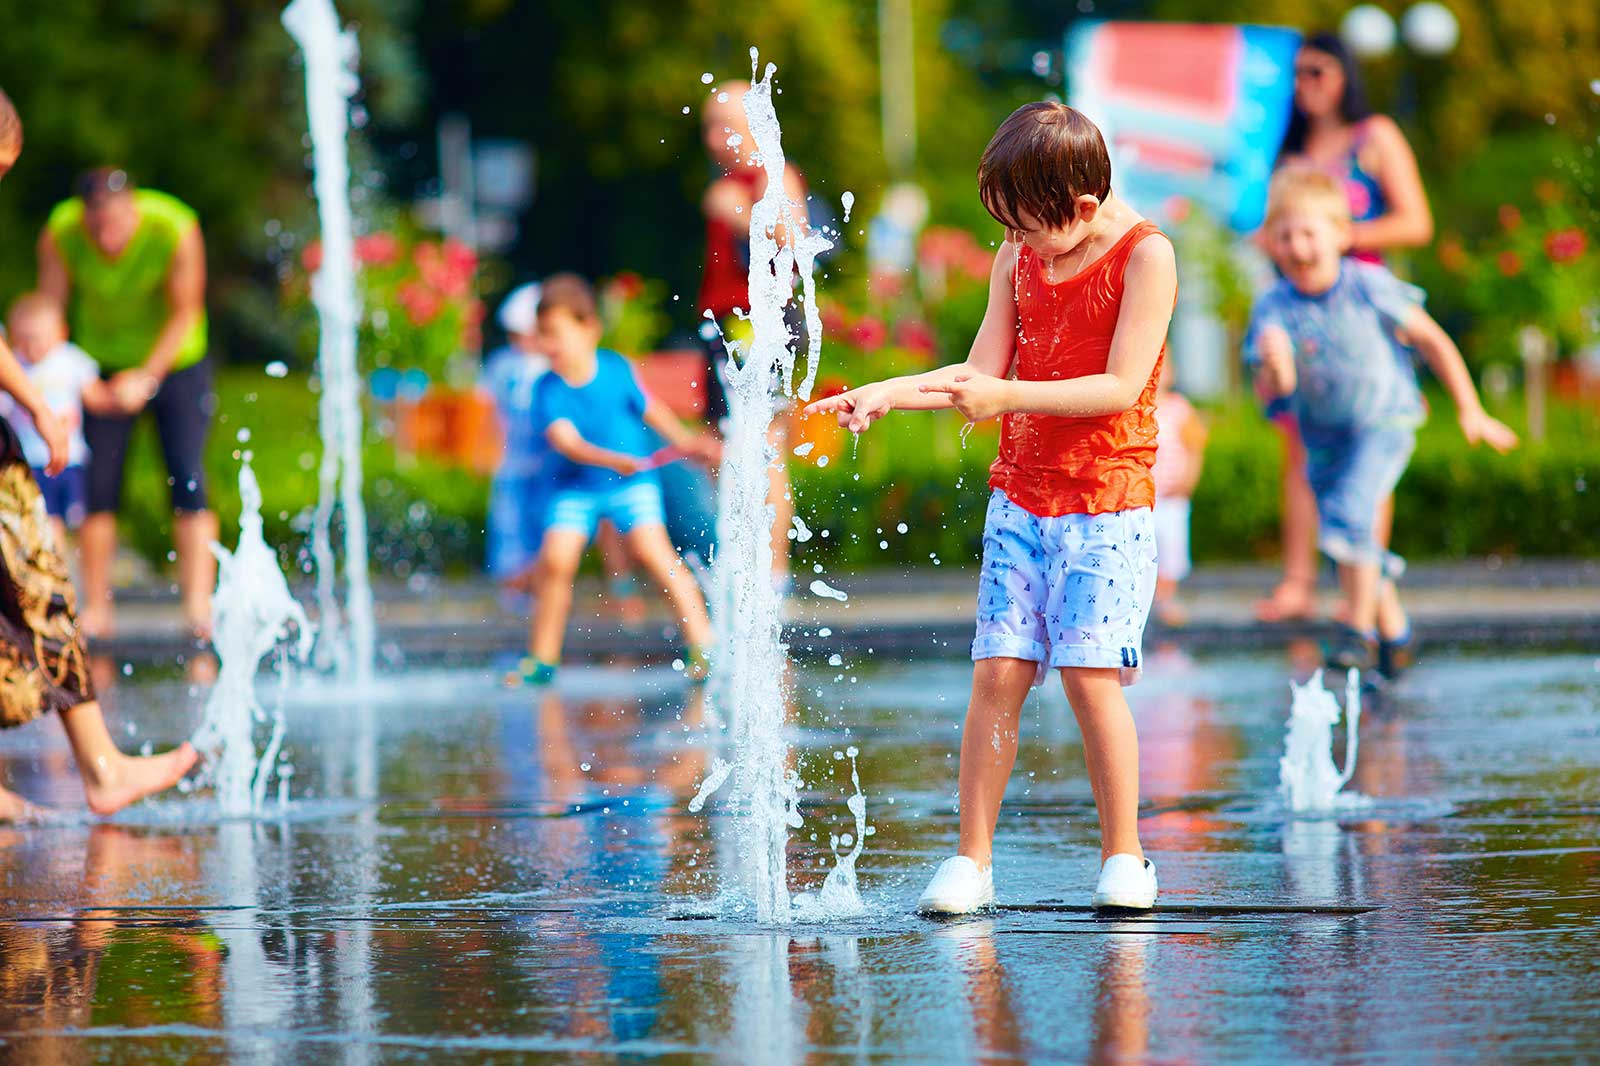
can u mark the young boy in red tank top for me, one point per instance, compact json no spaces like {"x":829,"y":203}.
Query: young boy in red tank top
{"x":1068,"y":356}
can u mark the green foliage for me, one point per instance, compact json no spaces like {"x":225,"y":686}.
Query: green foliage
{"x":422,"y":516}
{"x":201,"y":100}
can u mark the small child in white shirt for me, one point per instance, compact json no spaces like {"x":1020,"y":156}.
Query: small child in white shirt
{"x":69,"y":380}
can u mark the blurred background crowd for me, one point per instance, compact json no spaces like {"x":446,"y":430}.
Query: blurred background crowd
{"x":499,"y":142}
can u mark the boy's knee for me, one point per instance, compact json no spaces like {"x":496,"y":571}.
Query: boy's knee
{"x":1085,"y":681}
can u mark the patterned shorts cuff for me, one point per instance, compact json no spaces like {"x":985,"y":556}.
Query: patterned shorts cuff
{"x":1007,"y":646}
{"x":1096,"y":657}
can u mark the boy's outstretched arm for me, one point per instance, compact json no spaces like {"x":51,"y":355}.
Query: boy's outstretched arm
{"x":1150,"y":289}
{"x":660,"y":418}
{"x":565,"y":439}
{"x":1444,"y":359}
{"x":990,"y":356}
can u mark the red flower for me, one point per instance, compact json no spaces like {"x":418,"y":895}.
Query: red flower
{"x":834,"y":319}
{"x":1178,"y":208}
{"x":1565,"y":245}
{"x":422,"y":304}
{"x":1547,"y":191}
{"x":886,"y":286}
{"x":445,"y":267}
{"x":830,"y":387}
{"x":869,"y":333}
{"x":916,"y":336}
{"x":377,"y":249}
{"x":311,"y":257}
{"x":627,"y":285}
{"x":1510,"y":217}
{"x":1452,"y":256}
{"x":1510,"y":264}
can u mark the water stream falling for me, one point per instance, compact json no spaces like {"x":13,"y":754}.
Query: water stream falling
{"x":1307,"y":776}
{"x":254,"y":614}
{"x":330,"y":58}
{"x":751,"y":687}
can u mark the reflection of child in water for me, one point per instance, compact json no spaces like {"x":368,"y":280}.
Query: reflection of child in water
{"x":1180,"y":453}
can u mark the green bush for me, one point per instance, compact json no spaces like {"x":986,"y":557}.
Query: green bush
{"x":1455,"y":501}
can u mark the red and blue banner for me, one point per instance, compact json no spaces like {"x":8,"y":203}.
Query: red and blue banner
{"x":1190,"y":111}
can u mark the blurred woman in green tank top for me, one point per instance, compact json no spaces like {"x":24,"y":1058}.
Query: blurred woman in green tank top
{"x":129,"y":266}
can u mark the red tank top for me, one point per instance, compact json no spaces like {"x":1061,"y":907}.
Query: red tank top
{"x":1051,"y":465}
{"x":726,"y":281}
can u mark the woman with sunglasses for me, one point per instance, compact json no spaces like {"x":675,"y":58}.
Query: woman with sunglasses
{"x":1332,"y":128}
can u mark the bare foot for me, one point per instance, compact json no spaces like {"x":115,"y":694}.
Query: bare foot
{"x":14,"y":810}
{"x":1291,"y":601}
{"x":130,"y":779}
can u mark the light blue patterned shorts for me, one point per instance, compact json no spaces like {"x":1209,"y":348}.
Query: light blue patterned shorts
{"x":631,"y":504}
{"x":1064,"y":591}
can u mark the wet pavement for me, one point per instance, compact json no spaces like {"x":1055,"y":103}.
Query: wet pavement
{"x":471,"y":875}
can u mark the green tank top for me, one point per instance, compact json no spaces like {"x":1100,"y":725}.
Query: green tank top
{"x":118,"y":306}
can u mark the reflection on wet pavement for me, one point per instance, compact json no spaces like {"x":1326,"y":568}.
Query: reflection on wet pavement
{"x":470,"y":875}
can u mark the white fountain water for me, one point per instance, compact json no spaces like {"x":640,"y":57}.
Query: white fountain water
{"x":330,"y":58}
{"x":253,"y":613}
{"x":750,"y":692}
{"x":1307,"y":776}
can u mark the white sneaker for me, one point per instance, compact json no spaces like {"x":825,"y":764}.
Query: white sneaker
{"x":1127,"y":883}
{"x":959,"y":886}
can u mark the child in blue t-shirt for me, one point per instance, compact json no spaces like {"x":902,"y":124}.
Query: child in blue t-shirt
{"x":598,"y":420}
{"x":1336,"y":335}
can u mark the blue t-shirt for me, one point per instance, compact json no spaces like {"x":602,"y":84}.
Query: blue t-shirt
{"x":1351,"y":368}
{"x":608,"y":412}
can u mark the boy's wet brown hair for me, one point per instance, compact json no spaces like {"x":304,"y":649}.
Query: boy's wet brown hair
{"x":1040,"y":160}
{"x":570,"y":293}
{"x":10,"y":125}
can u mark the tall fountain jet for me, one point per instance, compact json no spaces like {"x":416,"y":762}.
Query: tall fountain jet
{"x":751,"y":663}
{"x":349,"y":635}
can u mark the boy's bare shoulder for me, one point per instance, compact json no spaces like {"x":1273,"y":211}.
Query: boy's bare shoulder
{"x":1154,"y":253}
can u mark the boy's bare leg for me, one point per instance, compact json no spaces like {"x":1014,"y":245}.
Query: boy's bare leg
{"x":1111,"y":750}
{"x":1360,"y":584}
{"x":58,"y":530}
{"x":192,"y":535}
{"x":1392,"y":620}
{"x":618,"y":567}
{"x":651,"y":546}
{"x":555,"y":571}
{"x":97,"y":543}
{"x":112,"y":780}
{"x":989,"y":749}
{"x":1296,"y":594}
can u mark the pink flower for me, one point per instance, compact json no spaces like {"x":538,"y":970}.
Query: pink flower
{"x":869,"y":333}
{"x":886,"y":286}
{"x":421,"y":303}
{"x":377,"y":249}
{"x":916,"y":336}
{"x":1178,"y":208}
{"x":1565,"y":245}
{"x":834,"y":320}
{"x":311,"y":257}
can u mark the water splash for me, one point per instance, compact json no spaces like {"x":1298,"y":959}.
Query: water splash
{"x":839,"y":897}
{"x":1307,"y":777}
{"x":254,"y":615}
{"x":330,"y":59}
{"x":751,"y":688}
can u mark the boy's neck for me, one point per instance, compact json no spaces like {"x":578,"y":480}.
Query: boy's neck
{"x":581,"y":370}
{"x":1321,"y":285}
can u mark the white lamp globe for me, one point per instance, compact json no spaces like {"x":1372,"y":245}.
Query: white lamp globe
{"x":1430,"y":29}
{"x":1368,"y":30}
